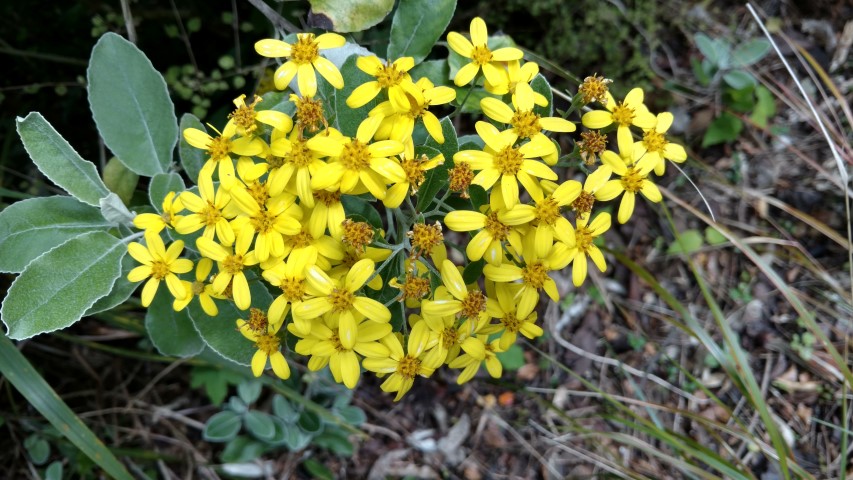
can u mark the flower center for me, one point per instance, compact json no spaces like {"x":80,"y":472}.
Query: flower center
{"x":388,"y":76}
{"x":498,"y":230}
{"x":336,"y":342}
{"x":408,"y":366}
{"x":263,"y":222}
{"x":267,"y":343}
{"x":300,"y":154}
{"x":584,"y":238}
{"x":623,"y":115}
{"x":244,"y":116}
{"x":293,"y":289}
{"x":583,"y":204}
{"x":301,"y":240}
{"x":547,"y":211}
{"x":357,"y":234}
{"x":210,"y":214}
{"x":594,"y":89}
{"x":233,"y":264}
{"x":309,"y":112}
{"x":414,"y":171}
{"x":481,"y":55}
{"x":305,"y":50}
{"x":355,"y":155}
{"x":219,"y":148}
{"x":198,"y":287}
{"x":449,"y":336}
{"x":425,"y":237}
{"x":159,"y":269}
{"x":511,"y":323}
{"x":259,"y":192}
{"x":275,"y":161}
{"x":632,"y":181}
{"x":461,"y":177}
{"x":534,"y":274}
{"x":508,"y":161}
{"x":341,"y":299}
{"x":258,"y":321}
{"x":327,"y":198}
{"x":526,"y":123}
{"x":591,"y":145}
{"x":654,"y":141}
{"x":415,"y":288}
{"x":473,"y":304}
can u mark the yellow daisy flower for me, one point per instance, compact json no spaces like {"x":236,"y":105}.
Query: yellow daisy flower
{"x":582,"y":205}
{"x":545,"y":215}
{"x":462,"y":302}
{"x":524,"y":122}
{"x":487,"y":243}
{"x":361,"y":162}
{"x":629,"y":112}
{"x":207,"y":208}
{"x":158,"y":264}
{"x":289,"y":276}
{"x":485,"y":353}
{"x":501,"y":160}
{"x":415,"y":168}
{"x":477,"y":49}
{"x":302,"y":58}
{"x":515,"y":79}
{"x":327,"y":347}
{"x":277,"y":217}
{"x":341,"y":299}
{"x":655,"y":145}
{"x":512,"y":318}
{"x":634,"y":180}
{"x":294,"y":160}
{"x":245,"y":118}
{"x":399,"y":123}
{"x":328,"y":212}
{"x":201,"y":289}
{"x":582,"y":246}
{"x":404,"y":365}
{"x":156,"y":222}
{"x":391,"y":77}
{"x":220,"y":149}
{"x":231,"y":265}
{"x":267,"y":341}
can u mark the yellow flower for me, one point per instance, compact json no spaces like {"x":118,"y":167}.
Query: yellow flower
{"x":302,"y":58}
{"x":207,"y":208}
{"x":477,"y":49}
{"x":399,"y":123}
{"x":361,"y":162}
{"x":271,"y":220}
{"x":231,"y":265}
{"x":533,"y":275}
{"x":501,"y":160}
{"x":515,"y":80}
{"x":463,"y":303}
{"x":245,"y":118}
{"x":328,"y":212}
{"x":158,"y":264}
{"x":289,"y":276}
{"x":327,"y":347}
{"x":294,"y":159}
{"x":267,"y":341}
{"x":392,"y":77}
{"x":512,"y":318}
{"x":478,"y":351}
{"x":404,"y":365}
{"x":624,"y":114}
{"x":524,"y":122}
{"x":220,"y":149}
{"x":582,"y":205}
{"x":201,"y":289}
{"x":582,"y":246}
{"x":157,"y":222}
{"x":634,"y":180}
{"x":341,"y":299}
{"x":545,"y":214}
{"x":655,"y":145}
{"x":487,"y":243}
{"x":415,"y":168}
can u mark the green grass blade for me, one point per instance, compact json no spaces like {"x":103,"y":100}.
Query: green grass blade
{"x":21,"y":374}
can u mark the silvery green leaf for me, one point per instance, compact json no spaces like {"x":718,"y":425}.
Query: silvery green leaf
{"x":417,"y":25}
{"x":58,"y":161}
{"x":114,"y":210}
{"x":171,"y":332}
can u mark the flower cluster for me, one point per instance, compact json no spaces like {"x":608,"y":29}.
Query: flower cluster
{"x":274,"y":205}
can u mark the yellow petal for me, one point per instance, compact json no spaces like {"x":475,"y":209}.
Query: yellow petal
{"x":460,"y":44}
{"x":272,"y":48}
{"x":452,"y":279}
{"x":279,"y":366}
{"x":466,"y":74}
{"x":330,"y":72}
{"x":597,"y":119}
{"x":259,"y":361}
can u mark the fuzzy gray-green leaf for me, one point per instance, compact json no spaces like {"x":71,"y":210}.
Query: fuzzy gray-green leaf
{"x":29,"y":228}
{"x":58,"y":161}
{"x":131,"y":106}
{"x":57,"y":288}
{"x":171,"y":332}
